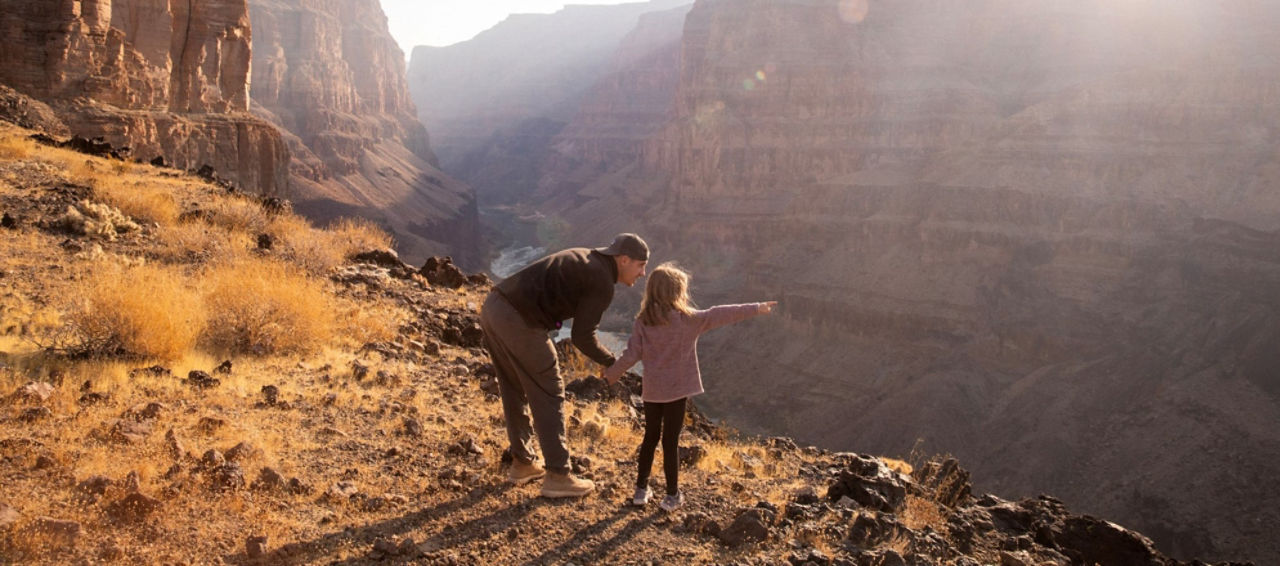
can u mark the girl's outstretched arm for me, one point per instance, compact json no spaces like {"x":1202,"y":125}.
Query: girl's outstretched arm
{"x":635,"y":347}
{"x":718,"y":316}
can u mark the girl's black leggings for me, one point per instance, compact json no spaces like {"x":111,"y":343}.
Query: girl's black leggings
{"x":662,"y":420}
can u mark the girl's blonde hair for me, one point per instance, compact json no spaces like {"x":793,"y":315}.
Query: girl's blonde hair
{"x":667,"y":290}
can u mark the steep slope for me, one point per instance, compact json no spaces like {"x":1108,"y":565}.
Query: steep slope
{"x":329,"y":73}
{"x":1038,"y":236}
{"x":378,"y":439}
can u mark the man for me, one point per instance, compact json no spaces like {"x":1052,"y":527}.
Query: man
{"x":518,"y":316}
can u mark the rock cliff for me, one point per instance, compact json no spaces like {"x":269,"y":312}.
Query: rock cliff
{"x":329,"y":73}
{"x":1038,"y":236}
{"x":163,"y":78}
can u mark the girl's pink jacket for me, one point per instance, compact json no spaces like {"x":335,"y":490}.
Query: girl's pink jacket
{"x":670,"y":351}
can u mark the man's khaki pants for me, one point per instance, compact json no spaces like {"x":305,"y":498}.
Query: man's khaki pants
{"x":529,"y":379}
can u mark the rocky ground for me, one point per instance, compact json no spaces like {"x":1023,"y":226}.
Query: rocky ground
{"x":391,"y":450}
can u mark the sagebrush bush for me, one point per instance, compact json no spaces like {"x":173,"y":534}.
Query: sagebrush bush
{"x":146,"y":311}
{"x":263,"y":306}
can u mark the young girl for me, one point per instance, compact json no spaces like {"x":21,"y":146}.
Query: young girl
{"x":665,"y":338}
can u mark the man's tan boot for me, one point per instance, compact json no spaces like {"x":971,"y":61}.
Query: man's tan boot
{"x":565,"y":485}
{"x":522,"y":473}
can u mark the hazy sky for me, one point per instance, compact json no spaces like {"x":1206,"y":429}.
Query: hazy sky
{"x":445,"y":22}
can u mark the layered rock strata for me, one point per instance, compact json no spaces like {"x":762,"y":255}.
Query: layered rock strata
{"x":621,"y":112}
{"x":1039,"y":236}
{"x":164,"y":78}
{"x":500,"y":97}
{"x":329,"y":73}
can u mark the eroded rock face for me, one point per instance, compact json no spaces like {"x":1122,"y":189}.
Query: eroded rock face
{"x":621,"y":112}
{"x":164,"y":78}
{"x":497,"y":84}
{"x":330,"y":75}
{"x":1036,"y":236}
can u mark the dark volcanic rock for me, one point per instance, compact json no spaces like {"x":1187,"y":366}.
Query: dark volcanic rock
{"x":870,"y":483}
{"x":442,"y":272}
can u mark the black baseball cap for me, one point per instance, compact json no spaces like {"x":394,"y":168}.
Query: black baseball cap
{"x":629,"y":245}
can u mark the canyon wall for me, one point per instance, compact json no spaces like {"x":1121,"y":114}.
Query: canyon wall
{"x":330,"y":75}
{"x":163,"y":78}
{"x":494,"y":103}
{"x":1040,"y":236}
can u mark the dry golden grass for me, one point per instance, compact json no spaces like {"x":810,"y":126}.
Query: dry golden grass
{"x":919,"y":513}
{"x":147,"y":311}
{"x":14,"y":147}
{"x":261,"y":306}
{"x":238,"y":214}
{"x":196,"y":242}
{"x":353,"y":235}
{"x":304,"y":245}
{"x":319,"y":251}
{"x":360,"y":324}
{"x":896,"y":465}
{"x":138,"y":199}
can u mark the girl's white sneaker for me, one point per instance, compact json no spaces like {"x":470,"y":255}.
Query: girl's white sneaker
{"x":641,"y":497}
{"x":672,"y":502}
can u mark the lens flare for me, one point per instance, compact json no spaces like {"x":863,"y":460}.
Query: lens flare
{"x":853,"y":11}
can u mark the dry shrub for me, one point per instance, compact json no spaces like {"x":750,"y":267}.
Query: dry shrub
{"x":239,"y":215}
{"x":319,"y":251}
{"x":354,"y":235}
{"x":97,"y":220}
{"x":14,"y":148}
{"x":261,"y":306}
{"x":146,"y":310}
{"x":139,"y":200}
{"x":920,"y":513}
{"x":313,"y":250}
{"x":198,"y":242}
{"x":900,"y":466}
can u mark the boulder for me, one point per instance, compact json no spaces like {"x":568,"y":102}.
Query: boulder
{"x":133,"y":507}
{"x":945,"y":481}
{"x":243,"y":451}
{"x":870,"y":483}
{"x":127,"y":431}
{"x":201,"y":380}
{"x":8,"y":516}
{"x":751,"y":525}
{"x":270,"y":394}
{"x":387,"y":258}
{"x":33,"y":392}
{"x":1088,"y":540}
{"x":255,"y":547}
{"x":441,"y":272}
{"x":227,"y":477}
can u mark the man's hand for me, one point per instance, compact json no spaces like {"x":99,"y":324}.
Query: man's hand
{"x":767,"y":306}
